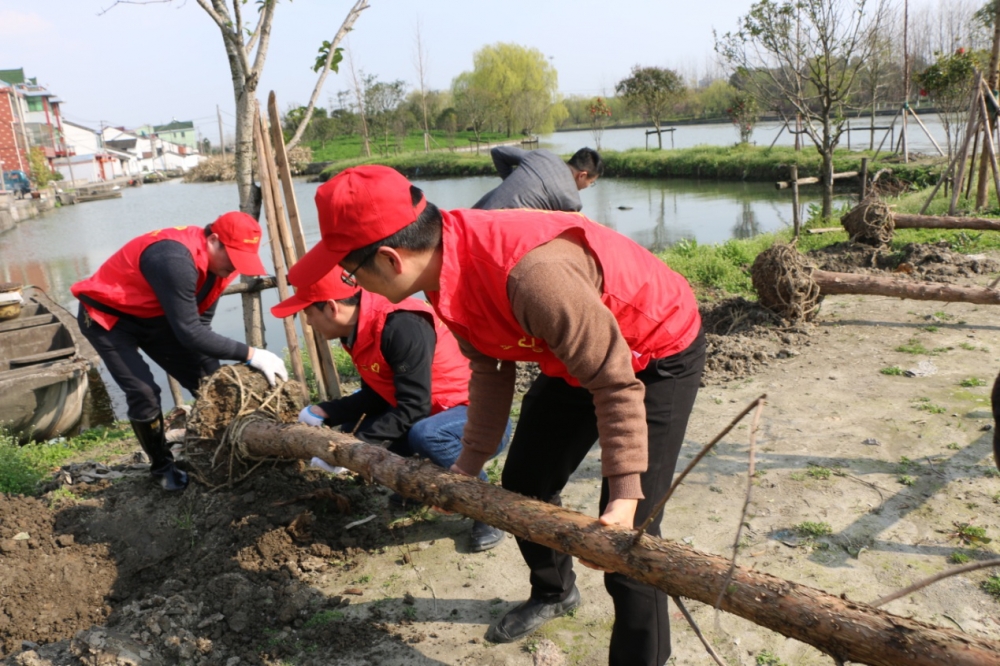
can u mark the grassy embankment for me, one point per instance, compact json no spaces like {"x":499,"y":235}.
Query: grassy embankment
{"x":350,"y":147}
{"x":23,"y":467}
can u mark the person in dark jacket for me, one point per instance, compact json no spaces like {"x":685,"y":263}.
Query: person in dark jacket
{"x":157,"y":295}
{"x":540,"y":179}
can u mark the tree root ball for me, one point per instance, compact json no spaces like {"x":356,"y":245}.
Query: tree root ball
{"x":870,"y":222}
{"x":233,"y":391}
{"x":784,"y":283}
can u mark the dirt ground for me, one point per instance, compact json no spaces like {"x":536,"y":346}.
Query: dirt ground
{"x":110,"y":570}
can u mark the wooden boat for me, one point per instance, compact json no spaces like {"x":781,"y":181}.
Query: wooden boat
{"x":44,"y":364}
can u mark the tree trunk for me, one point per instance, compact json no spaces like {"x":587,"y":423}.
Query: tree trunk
{"x":827,"y":174}
{"x":944,"y":222}
{"x":851,"y":283}
{"x":847,"y":630}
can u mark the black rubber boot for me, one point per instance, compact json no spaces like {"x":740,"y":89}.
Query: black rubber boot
{"x":153,"y":441}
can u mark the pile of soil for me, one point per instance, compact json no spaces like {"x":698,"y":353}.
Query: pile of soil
{"x":197,"y":578}
{"x":744,"y":337}
{"x":931,"y":262}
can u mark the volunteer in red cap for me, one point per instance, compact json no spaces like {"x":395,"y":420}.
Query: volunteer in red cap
{"x":158,"y":294}
{"x":414,"y":380}
{"x":615,"y":332}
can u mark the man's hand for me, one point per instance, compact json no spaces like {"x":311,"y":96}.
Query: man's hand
{"x":268,"y":364}
{"x":617,"y":512}
{"x":312,"y":415}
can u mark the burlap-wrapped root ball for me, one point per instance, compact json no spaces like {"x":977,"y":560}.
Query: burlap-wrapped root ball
{"x":784,"y":283}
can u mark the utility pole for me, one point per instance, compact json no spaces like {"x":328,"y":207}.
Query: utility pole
{"x":222,"y":142}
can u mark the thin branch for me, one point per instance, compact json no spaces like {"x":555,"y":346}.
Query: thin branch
{"x":933,"y":579}
{"x":131,"y":2}
{"x":345,"y":27}
{"x":697,"y":459}
{"x":746,"y":501}
{"x":219,"y":21}
{"x":697,"y":631}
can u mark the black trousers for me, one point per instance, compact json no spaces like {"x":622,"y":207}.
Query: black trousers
{"x":119,"y":349}
{"x":558,"y":426}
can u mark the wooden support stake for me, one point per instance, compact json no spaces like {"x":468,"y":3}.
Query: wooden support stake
{"x":848,"y":630}
{"x":972,"y":160}
{"x":990,"y":149}
{"x":863,"y":177}
{"x":964,"y":152}
{"x":331,"y":379}
{"x":289,"y":255}
{"x":926,"y":131}
{"x":298,"y":370}
{"x":253,"y":315}
{"x":794,"y":175}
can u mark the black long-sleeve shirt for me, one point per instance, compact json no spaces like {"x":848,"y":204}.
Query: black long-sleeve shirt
{"x":407,"y":344}
{"x":169,"y":269}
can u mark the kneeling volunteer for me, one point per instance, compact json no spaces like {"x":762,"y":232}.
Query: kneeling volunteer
{"x":414,"y":380}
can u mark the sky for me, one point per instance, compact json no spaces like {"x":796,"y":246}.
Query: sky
{"x":132,"y":64}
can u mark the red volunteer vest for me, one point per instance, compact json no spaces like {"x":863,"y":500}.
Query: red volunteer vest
{"x":654,"y":306}
{"x":449,"y":370}
{"x":119,"y":283}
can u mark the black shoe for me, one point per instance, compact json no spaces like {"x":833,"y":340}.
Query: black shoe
{"x":170,"y":478}
{"x":521,"y":621}
{"x":483,"y":537}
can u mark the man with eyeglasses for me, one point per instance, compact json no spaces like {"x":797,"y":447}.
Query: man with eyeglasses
{"x":540,"y":179}
{"x":617,"y":336}
{"x":414,"y":380}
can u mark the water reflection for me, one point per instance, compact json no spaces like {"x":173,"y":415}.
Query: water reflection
{"x":746,"y":222}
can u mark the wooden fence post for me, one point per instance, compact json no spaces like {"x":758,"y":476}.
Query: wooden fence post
{"x":864,"y":178}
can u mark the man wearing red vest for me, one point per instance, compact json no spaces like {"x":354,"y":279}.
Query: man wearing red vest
{"x":617,"y":336}
{"x":414,"y":380}
{"x":158,"y":294}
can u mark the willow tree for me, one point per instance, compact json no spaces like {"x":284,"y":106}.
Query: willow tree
{"x":519,"y":84}
{"x":809,"y":54}
{"x":246,"y":40}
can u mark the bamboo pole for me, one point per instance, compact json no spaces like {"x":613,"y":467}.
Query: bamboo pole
{"x":175,"y":391}
{"x":991,"y":151}
{"x":289,"y":254}
{"x":298,"y":370}
{"x":973,"y":111}
{"x":847,"y":630}
{"x":926,"y":131}
{"x":863,"y":177}
{"x":331,"y":380}
{"x":794,"y":175}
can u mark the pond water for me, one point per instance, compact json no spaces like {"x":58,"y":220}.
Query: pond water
{"x":71,"y":242}
{"x":724,"y":134}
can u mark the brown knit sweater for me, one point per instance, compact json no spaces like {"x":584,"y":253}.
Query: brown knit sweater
{"x":555,"y":295}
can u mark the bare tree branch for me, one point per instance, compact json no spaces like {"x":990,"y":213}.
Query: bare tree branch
{"x":345,"y":27}
{"x":933,"y":579}
{"x":265,"y":38}
{"x":131,"y":2}
{"x":697,"y":631}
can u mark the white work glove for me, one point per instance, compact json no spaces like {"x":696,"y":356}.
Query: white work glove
{"x":309,"y":417}
{"x":268,"y":364}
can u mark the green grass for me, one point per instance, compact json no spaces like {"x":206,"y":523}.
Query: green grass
{"x":906,"y":479}
{"x":350,"y":147}
{"x":958,"y":557}
{"x":892,"y":370}
{"x":972,"y":381}
{"x":22,"y":467}
{"x":821,"y":473}
{"x":324,"y":617}
{"x":992,"y":586}
{"x":813,"y":529}
{"x":913,"y":346}
{"x":767,"y":658}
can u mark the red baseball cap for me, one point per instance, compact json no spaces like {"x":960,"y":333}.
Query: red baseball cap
{"x":241,"y":234}
{"x":357,"y":207}
{"x":329,"y":287}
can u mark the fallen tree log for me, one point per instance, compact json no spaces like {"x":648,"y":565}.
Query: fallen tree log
{"x":847,"y":630}
{"x":873,"y":222}
{"x":791,"y":288}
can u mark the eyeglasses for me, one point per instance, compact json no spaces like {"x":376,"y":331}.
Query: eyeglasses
{"x":349,"y":278}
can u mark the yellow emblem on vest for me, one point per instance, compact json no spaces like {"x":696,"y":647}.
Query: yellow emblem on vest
{"x":529,"y":343}
{"x":374,"y":367}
